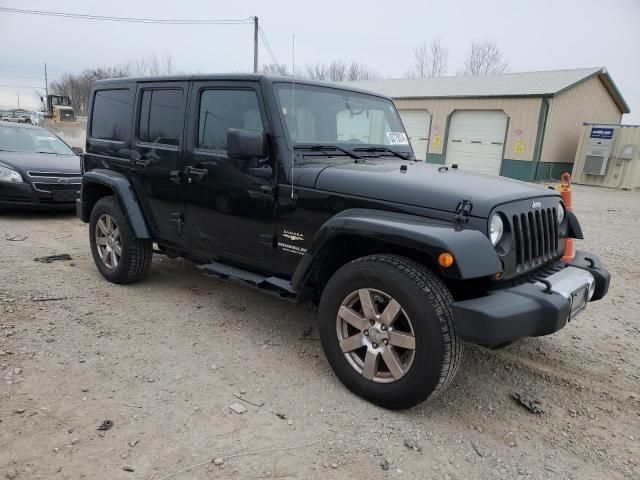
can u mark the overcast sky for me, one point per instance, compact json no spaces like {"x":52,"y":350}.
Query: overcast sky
{"x":533,"y":35}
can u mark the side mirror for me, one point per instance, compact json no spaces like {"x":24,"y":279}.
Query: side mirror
{"x":245,"y":144}
{"x":77,"y":150}
{"x":262,"y":172}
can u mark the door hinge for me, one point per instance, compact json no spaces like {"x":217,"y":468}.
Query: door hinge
{"x":463,"y":210}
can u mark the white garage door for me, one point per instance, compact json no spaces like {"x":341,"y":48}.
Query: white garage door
{"x":476,"y":140}
{"x":417,"y":123}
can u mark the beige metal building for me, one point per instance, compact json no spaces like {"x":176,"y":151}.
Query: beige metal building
{"x":608,"y":156}
{"x":519,"y":125}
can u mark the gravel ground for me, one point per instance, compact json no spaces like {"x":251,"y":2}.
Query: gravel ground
{"x":165,"y":359}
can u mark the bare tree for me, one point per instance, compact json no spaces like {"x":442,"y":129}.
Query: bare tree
{"x":140,"y":68}
{"x":339,"y":71}
{"x":360,"y":71}
{"x":78,"y":86}
{"x":431,"y":59}
{"x":421,"y":56}
{"x":150,"y":66}
{"x":484,"y":58}
{"x":153,"y":65}
{"x":168,"y":64}
{"x":316,"y":71}
{"x":275,"y":69}
{"x":336,"y":71}
{"x":439,"y":58}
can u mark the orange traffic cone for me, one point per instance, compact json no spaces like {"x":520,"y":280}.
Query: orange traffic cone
{"x":565,"y":192}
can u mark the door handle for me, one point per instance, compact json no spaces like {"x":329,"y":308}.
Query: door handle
{"x":142,"y":163}
{"x":175,"y":176}
{"x":196,"y":173}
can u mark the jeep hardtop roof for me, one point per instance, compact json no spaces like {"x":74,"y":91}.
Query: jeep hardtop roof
{"x":238,"y":77}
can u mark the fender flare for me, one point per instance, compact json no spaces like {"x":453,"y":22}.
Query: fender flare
{"x":575,"y":230}
{"x":474,"y":254}
{"x":121,"y":187}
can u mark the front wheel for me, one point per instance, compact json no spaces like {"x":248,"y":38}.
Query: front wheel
{"x":387,"y":329}
{"x":120,"y":256}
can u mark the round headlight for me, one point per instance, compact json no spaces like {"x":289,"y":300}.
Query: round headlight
{"x":496,"y":229}
{"x":560,"y":213}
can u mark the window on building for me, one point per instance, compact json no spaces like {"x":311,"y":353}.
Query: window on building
{"x":221,"y":110}
{"x":111,"y":114}
{"x":161,"y":116}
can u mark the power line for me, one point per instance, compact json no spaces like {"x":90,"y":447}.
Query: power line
{"x":27,"y":67}
{"x":165,"y":21}
{"x":21,"y":86}
{"x":267,"y":48}
{"x":267,"y":45}
{"x":265,"y":42}
{"x":20,"y":75}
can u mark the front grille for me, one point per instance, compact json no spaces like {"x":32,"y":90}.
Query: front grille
{"x":56,"y":187}
{"x":54,"y":174}
{"x":536,"y":237}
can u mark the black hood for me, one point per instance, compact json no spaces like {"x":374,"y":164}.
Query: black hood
{"x":424,"y":185}
{"x":40,"y":162}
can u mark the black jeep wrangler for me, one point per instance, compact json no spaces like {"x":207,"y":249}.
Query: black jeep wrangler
{"x":311,"y":191}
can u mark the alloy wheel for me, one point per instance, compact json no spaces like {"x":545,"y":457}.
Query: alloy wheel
{"x":375,"y":335}
{"x":108,"y":241}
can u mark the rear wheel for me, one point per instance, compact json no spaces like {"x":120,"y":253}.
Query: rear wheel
{"x":120,"y":256}
{"x":387,"y":329}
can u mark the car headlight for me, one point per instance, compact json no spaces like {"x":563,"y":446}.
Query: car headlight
{"x":9,"y":176}
{"x":560,"y":213}
{"x":496,"y":229}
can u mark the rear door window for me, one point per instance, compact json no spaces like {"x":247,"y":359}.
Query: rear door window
{"x":161,"y":116}
{"x":110,"y":117}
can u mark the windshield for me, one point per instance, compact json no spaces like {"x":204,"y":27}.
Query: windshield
{"x":324,"y":115}
{"x":58,"y":100}
{"x":21,"y":139}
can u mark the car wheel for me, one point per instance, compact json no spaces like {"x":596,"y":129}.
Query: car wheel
{"x":120,"y":256}
{"x":387,"y":329}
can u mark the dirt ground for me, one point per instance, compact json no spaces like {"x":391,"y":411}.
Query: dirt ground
{"x":164,"y":359}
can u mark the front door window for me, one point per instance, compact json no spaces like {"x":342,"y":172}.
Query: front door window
{"x":223,"y":109}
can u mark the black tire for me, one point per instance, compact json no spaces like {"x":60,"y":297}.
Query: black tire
{"x":426,"y":301}
{"x":136,"y":253}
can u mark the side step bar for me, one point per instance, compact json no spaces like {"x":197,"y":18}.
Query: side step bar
{"x":276,"y":285}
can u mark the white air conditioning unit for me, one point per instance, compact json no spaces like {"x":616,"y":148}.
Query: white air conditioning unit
{"x":595,"y":165}
{"x":598,"y":149}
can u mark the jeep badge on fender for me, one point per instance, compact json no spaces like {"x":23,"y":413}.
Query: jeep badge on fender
{"x":312,"y":192}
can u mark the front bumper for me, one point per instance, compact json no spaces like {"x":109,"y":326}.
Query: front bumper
{"x":26,"y":196}
{"x":531,"y":309}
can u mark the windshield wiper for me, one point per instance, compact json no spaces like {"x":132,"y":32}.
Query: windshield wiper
{"x":382,"y":149}
{"x":319,"y":147}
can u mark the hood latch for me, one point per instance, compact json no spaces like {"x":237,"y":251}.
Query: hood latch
{"x":463,"y":210}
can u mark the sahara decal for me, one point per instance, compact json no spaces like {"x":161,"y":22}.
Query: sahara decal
{"x":293,"y":236}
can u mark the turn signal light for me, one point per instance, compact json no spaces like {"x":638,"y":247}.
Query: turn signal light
{"x":445,"y":259}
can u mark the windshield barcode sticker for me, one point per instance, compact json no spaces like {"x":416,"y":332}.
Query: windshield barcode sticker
{"x":397,"y":138}
{"x":45,"y":138}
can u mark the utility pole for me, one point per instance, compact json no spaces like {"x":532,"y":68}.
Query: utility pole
{"x":255,"y":44}
{"x":18,"y":93}
{"x":46,"y":82}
